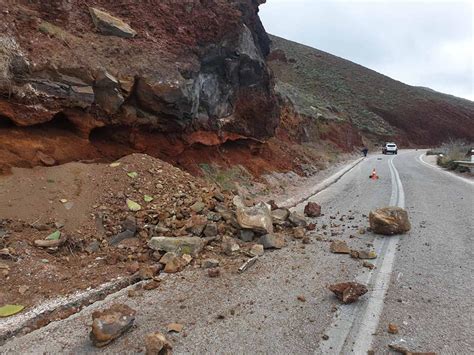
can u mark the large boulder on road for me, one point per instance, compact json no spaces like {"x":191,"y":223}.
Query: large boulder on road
{"x":257,"y":218}
{"x":389,"y":221}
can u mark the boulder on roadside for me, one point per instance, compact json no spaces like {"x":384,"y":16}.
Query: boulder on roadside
{"x":272,"y":241}
{"x":183,"y":245}
{"x":257,"y":218}
{"x":339,"y":247}
{"x":297,"y":220}
{"x":312,"y":209}
{"x":110,"y":25}
{"x":348,"y":292}
{"x":111,"y":323}
{"x":389,"y":221}
{"x":157,"y":344}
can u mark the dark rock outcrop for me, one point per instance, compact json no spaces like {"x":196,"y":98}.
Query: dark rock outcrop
{"x":180,"y":68}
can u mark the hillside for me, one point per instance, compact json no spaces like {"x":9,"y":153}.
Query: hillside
{"x":329,"y":88}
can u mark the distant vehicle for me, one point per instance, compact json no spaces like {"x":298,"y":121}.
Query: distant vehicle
{"x":390,"y":148}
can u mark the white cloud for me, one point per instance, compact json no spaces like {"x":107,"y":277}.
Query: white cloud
{"x":424,"y":43}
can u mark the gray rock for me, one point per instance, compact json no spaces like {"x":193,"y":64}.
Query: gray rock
{"x":229,"y":245}
{"x":210,"y":263}
{"x":297,"y":220}
{"x":129,"y":227}
{"x":246,"y":235}
{"x":184,"y":245}
{"x":210,"y":230}
{"x":198,"y":207}
{"x":272,"y":241}
{"x":107,"y":92}
{"x":280,"y":215}
{"x":110,"y":25}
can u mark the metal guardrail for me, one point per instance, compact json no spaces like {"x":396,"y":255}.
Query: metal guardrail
{"x":468,"y":164}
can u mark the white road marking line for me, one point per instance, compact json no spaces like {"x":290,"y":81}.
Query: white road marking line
{"x":353,"y":328}
{"x":420,"y":158}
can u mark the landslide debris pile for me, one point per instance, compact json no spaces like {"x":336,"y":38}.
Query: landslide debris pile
{"x":146,"y":217}
{"x":327,"y":88}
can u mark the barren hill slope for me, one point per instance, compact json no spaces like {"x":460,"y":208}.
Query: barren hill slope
{"x":324,"y":86}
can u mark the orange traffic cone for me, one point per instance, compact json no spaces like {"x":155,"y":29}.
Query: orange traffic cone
{"x":374,"y":175}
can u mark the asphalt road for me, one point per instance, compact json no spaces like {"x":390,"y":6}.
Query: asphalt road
{"x":423,"y":281}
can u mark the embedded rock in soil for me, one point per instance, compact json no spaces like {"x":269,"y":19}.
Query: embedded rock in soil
{"x":340,"y":247}
{"x":110,"y":25}
{"x":210,"y":263}
{"x":312,"y":209}
{"x":184,"y":245}
{"x":157,"y":344}
{"x":272,"y":241}
{"x":111,"y":323}
{"x":389,"y":221}
{"x":246,"y":235}
{"x":348,"y":292}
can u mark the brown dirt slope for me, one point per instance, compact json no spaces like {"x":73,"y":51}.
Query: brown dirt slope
{"x":327,"y":87}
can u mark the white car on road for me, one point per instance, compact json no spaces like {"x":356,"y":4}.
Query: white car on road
{"x":390,"y":148}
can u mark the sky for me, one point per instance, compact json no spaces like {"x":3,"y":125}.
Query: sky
{"x":426,"y":43}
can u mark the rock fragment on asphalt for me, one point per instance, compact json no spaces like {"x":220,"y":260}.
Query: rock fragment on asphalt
{"x":312,"y":210}
{"x":363,"y":254}
{"x":111,"y":323}
{"x":297,"y":220}
{"x":339,"y":247}
{"x":348,"y":292}
{"x":157,"y":344}
{"x":272,"y":241}
{"x":257,"y":218}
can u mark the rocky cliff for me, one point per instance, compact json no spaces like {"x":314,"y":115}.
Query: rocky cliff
{"x":192,"y":68}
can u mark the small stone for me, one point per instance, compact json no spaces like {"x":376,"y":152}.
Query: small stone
{"x":368,"y":265}
{"x":272,"y":241}
{"x":273,"y":205}
{"x":22,"y":289}
{"x":146,"y":272}
{"x":185,"y":245}
{"x":210,"y":230}
{"x":229,"y":245}
{"x":280,"y":215}
{"x":111,"y":323}
{"x":312,"y":210}
{"x":198,"y":207}
{"x":392,"y":328}
{"x":348,"y":292}
{"x":152,"y":285}
{"x":311,"y":227}
{"x":301,"y":298}
{"x":362,"y":231}
{"x":133,"y":267}
{"x":257,"y":250}
{"x":45,"y":159}
{"x":214,"y":272}
{"x":339,"y":247}
{"x":210,"y":263}
{"x":175,"y":327}
{"x":157,"y":344}
{"x":175,"y":264}
{"x":325,"y":337}
{"x":246,"y":235}
{"x":363,"y":254}
{"x":306,"y":240}
{"x":297,"y":220}
{"x":299,"y":232}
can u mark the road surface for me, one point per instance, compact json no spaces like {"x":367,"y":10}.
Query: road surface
{"x":423,"y":281}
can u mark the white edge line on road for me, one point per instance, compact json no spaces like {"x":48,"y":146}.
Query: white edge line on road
{"x":420,"y":158}
{"x":373,"y":311}
{"x":353,"y":327}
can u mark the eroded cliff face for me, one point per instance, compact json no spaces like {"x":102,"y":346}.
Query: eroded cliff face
{"x":194,"y":69}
